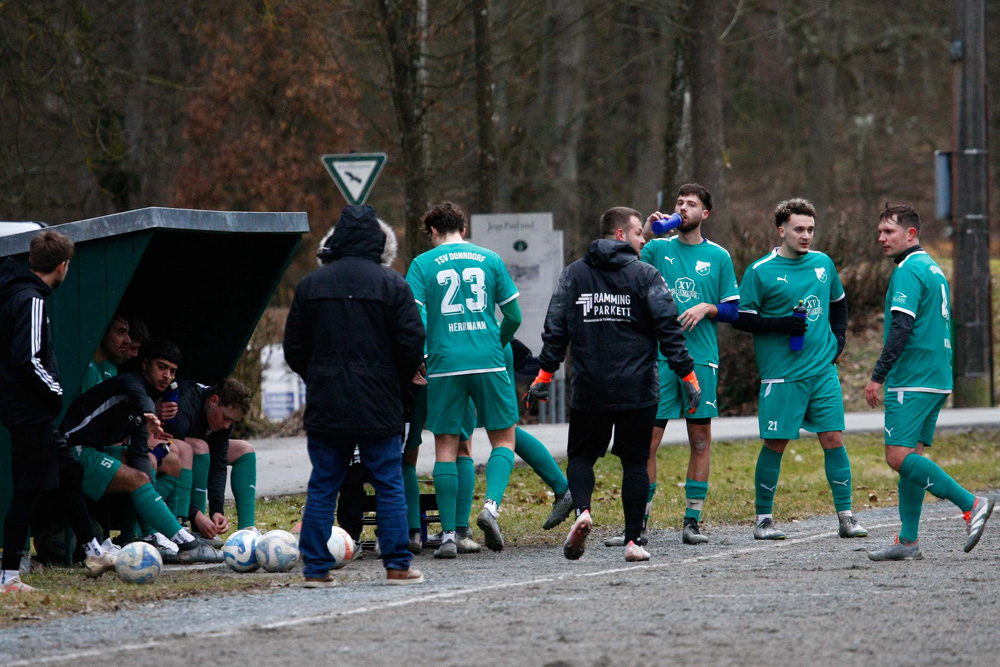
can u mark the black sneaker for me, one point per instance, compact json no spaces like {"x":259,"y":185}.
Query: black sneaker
{"x":691,"y":534}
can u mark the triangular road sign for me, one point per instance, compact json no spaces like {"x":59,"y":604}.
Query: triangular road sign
{"x":354,"y":173}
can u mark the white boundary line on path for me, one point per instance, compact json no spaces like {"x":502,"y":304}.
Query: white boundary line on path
{"x":443,"y":595}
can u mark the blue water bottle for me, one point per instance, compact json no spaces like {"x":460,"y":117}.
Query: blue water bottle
{"x":795,"y":342}
{"x":664,"y":225}
{"x":170,"y":395}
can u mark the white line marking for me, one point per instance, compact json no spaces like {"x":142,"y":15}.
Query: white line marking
{"x":444,"y":595}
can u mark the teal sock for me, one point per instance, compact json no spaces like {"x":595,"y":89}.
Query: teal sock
{"x":765,"y":479}
{"x":412,"y":488}
{"x":144,"y":526}
{"x":498,"y":469}
{"x":166,"y":486}
{"x":649,"y":500}
{"x":446,"y":491}
{"x":154,"y":512}
{"x":695,"y":492}
{"x":182,"y":503}
{"x":838,"y":475}
{"x":911,"y":502}
{"x":537,"y":455}
{"x":930,"y":477}
{"x":199,"y":483}
{"x":466,"y":488}
{"x":243,"y":481}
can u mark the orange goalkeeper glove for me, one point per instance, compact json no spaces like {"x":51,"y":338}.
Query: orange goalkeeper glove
{"x":693,"y":391}
{"x":539,"y":390}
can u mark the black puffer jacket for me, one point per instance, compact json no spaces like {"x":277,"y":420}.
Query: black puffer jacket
{"x":30,"y":392}
{"x":613,"y":309}
{"x":354,"y":335}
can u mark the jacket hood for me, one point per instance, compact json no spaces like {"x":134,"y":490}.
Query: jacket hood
{"x":14,"y":276}
{"x":357,"y":234}
{"x":609,"y":254}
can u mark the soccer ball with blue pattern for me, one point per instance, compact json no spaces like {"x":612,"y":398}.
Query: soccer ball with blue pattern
{"x":277,"y":551}
{"x":138,"y":563}
{"x":239,"y":551}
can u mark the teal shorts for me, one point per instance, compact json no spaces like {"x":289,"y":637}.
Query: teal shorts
{"x":98,"y":471}
{"x":673,"y":398}
{"x":815,"y":404}
{"x":910,"y":417}
{"x":448,"y":402}
{"x":418,"y":419}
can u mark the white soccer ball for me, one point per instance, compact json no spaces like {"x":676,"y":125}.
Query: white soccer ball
{"x":341,"y":546}
{"x":239,"y":551}
{"x":138,"y":563}
{"x":277,"y":551}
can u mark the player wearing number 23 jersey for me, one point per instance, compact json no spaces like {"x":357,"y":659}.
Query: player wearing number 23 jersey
{"x":459,"y":287}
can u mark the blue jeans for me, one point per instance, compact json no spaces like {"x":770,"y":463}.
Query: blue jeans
{"x":330,"y":460}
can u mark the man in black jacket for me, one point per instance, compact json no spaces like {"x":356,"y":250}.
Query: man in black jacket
{"x":30,"y":400}
{"x":354,"y":335}
{"x":614,"y":310}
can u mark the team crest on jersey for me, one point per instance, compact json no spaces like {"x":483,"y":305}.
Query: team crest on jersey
{"x":684,"y":290}
{"x":821,"y":274}
{"x":813,"y":306}
{"x":703,"y":268}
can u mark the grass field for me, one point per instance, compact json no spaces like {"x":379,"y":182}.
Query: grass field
{"x":971,"y":457}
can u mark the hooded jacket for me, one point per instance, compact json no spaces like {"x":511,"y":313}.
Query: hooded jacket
{"x":614,"y":310}
{"x":354,"y":335}
{"x":30,"y":392}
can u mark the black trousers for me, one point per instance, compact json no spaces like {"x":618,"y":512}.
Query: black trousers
{"x":589,"y":435}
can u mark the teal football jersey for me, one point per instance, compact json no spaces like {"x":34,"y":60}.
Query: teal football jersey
{"x":701,"y":273}
{"x":460,"y":286}
{"x":918,"y":287}
{"x":772,"y":286}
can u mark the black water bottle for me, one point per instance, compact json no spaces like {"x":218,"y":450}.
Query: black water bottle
{"x":795,"y":342}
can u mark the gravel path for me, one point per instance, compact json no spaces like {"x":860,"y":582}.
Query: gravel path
{"x":813,"y":599}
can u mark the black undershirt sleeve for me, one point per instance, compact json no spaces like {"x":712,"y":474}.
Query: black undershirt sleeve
{"x":899,"y":333}
{"x":838,"y":324}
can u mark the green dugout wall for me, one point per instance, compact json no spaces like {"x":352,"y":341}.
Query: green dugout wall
{"x":199,"y":278}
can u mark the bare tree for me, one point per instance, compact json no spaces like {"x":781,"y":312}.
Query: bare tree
{"x":404,"y":33}
{"x":484,"y":106}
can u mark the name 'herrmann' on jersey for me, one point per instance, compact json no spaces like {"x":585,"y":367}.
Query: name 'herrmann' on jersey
{"x":460,"y":286}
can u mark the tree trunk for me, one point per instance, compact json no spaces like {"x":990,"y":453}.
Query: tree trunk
{"x":484,"y":106}
{"x":677,"y":134}
{"x":708,"y":155}
{"x":820,"y":158}
{"x":405,"y":31}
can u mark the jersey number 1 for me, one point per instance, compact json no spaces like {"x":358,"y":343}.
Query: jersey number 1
{"x":476,"y":279}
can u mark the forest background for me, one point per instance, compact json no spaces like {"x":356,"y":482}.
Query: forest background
{"x":568,"y":106}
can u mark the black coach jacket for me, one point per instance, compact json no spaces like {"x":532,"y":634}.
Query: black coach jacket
{"x":354,"y":335}
{"x":30,"y":392}
{"x":614,"y":310}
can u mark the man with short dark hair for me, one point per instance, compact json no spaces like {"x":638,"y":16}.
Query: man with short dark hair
{"x":113,"y":350}
{"x":915,"y":368}
{"x":354,"y":335}
{"x":204,"y":420}
{"x":458,"y":287}
{"x":799,"y":383}
{"x":615,"y":311}
{"x":30,"y":400}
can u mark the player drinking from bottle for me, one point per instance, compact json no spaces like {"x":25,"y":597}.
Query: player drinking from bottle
{"x":915,"y":368}
{"x":615,"y":311}
{"x":700,"y":275}
{"x":799,"y":388}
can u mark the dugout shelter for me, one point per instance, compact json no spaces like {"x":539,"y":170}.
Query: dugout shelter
{"x":200,"y":278}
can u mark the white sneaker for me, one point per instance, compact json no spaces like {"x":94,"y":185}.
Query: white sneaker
{"x":111,"y":547}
